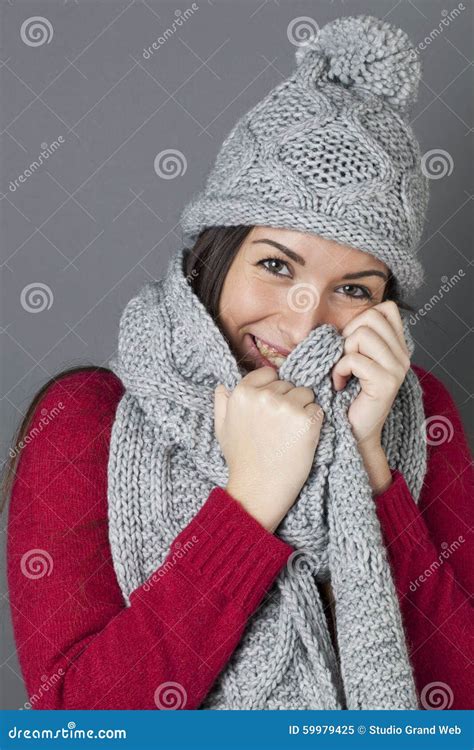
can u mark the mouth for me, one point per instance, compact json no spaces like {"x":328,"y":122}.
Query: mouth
{"x":264,"y":354}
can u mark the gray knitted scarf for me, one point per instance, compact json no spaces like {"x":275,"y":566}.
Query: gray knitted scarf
{"x":165,"y":459}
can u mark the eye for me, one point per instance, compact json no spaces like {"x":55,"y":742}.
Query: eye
{"x":364,"y":292}
{"x":276,"y":261}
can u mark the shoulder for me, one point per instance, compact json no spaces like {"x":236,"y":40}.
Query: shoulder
{"x":82,"y":389}
{"x":445,"y":431}
{"x":58,"y":505}
{"x":436,"y":397}
{"x":60,"y":475}
{"x":71,"y":416}
{"x":448,"y":487}
{"x":90,"y":395}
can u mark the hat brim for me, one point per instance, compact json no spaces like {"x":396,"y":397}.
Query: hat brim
{"x":203,"y":213}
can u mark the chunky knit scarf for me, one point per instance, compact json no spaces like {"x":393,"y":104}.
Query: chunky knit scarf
{"x":165,"y":459}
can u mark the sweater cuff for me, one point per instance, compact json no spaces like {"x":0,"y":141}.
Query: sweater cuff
{"x":232,"y":552}
{"x":399,"y":515}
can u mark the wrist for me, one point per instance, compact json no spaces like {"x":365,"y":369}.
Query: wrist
{"x":249,"y":501}
{"x":376,"y":466}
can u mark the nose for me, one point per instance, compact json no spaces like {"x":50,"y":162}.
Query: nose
{"x":305,"y":309}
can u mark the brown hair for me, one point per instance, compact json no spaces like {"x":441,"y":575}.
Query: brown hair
{"x":207,"y":263}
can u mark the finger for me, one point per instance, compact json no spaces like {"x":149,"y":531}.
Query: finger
{"x":315,"y":412}
{"x":368,"y":342}
{"x":385,"y":318}
{"x":366,"y":370}
{"x":301,"y":395}
{"x":379,"y":324}
{"x":391,"y":312}
{"x":279,"y":386}
{"x":261,"y":376}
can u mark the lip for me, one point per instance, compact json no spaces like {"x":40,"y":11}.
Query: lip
{"x":279,"y":349}
{"x":255,"y":354}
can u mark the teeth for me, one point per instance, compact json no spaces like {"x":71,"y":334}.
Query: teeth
{"x":271,"y":354}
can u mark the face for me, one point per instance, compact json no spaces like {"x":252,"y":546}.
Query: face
{"x":283,"y":283}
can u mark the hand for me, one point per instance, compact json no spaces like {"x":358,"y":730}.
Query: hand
{"x":376,"y":353}
{"x":268,"y":431}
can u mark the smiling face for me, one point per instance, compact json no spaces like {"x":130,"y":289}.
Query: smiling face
{"x":283,"y":283}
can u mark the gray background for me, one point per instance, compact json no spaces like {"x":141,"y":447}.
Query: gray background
{"x":96,"y":220}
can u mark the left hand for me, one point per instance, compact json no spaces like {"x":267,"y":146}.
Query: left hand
{"x":376,"y":353}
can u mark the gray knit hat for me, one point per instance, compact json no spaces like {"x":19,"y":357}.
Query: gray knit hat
{"x":330,"y":150}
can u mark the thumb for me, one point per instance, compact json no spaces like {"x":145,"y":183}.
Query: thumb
{"x":221,"y":396}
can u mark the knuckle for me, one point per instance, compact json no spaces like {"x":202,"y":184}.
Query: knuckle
{"x":361,"y":333}
{"x":242,"y":392}
{"x":350,"y":358}
{"x":372,"y":312}
{"x":266,"y":397}
{"x":406,"y":362}
{"x":388,"y":304}
{"x":402,"y":371}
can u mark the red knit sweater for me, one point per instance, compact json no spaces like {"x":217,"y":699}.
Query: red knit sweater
{"x":79,"y":647}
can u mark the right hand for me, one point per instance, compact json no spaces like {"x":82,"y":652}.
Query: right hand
{"x":268,"y":430}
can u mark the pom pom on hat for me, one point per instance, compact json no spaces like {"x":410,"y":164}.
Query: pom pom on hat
{"x":364,"y":51}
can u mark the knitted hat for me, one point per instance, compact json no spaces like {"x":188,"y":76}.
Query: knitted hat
{"x":330,"y":150}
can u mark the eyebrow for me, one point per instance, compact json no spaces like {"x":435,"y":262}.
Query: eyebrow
{"x":301,"y":261}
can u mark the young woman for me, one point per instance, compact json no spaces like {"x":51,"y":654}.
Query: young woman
{"x":254,"y":508}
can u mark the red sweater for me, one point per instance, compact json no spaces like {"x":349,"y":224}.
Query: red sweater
{"x":79,"y":647}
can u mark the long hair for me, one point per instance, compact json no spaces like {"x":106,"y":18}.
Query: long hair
{"x":207,"y":263}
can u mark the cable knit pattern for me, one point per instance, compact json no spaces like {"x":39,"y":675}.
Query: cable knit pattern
{"x":165,"y":459}
{"x":330,"y":150}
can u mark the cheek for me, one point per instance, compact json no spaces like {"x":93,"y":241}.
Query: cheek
{"x":246,"y":298}
{"x":266,"y":300}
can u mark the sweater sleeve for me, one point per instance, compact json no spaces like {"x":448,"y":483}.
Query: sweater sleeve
{"x":78,"y":645}
{"x":431,"y":555}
